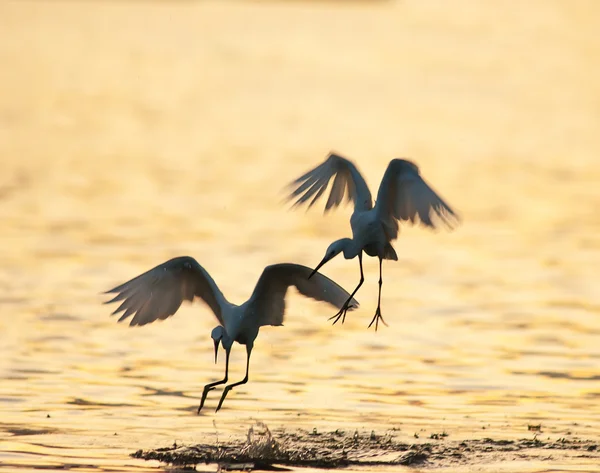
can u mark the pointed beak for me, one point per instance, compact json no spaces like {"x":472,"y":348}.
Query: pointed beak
{"x":323,"y":261}
{"x":216,"y":349}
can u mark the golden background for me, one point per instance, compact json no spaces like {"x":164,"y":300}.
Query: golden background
{"x":135,"y":131}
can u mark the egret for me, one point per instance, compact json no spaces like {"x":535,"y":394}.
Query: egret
{"x":403,"y":196}
{"x":159,"y":292}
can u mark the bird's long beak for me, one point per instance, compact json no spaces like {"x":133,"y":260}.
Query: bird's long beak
{"x":216,"y":349}
{"x":323,"y":261}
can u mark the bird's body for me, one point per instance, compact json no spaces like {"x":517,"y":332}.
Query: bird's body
{"x":369,"y":234}
{"x":159,"y":292}
{"x":402,"y":196}
{"x":241,"y":330}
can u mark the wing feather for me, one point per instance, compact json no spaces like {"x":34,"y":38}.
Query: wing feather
{"x":347,"y":181}
{"x":405,"y":196}
{"x":158,"y":293}
{"x":337,"y":191}
{"x":268,"y":299}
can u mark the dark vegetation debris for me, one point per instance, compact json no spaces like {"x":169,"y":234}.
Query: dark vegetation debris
{"x":262,"y":450}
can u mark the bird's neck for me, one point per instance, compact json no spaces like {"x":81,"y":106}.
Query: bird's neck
{"x":351,"y":249}
{"x":230,"y":314}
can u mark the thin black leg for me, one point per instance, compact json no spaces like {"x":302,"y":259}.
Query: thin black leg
{"x":211,"y":386}
{"x":378,"y":316}
{"x":243,"y":381}
{"x":342,"y":313}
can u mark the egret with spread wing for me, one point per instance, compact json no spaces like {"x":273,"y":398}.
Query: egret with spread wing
{"x":158,"y":294}
{"x":403,"y":196}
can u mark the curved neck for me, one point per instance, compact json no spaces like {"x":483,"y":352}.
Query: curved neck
{"x":351,"y":249}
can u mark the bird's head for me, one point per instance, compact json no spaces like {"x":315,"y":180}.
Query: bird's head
{"x":332,"y":251}
{"x":217,"y":335}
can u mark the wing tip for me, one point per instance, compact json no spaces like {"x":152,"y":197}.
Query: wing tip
{"x":285,"y":199}
{"x":333,"y":154}
{"x":117,"y":298}
{"x":449,"y":219}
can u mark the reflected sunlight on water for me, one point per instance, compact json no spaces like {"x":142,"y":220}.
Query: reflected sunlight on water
{"x":132,"y":132}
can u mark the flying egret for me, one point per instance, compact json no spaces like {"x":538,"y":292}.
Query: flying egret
{"x":403,"y":196}
{"x":159,"y":292}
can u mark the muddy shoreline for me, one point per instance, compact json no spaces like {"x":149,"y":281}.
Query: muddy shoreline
{"x":263,"y":449}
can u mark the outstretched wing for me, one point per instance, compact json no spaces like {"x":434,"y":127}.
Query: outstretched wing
{"x":268,"y":299}
{"x":347,"y":180}
{"x":404,"y":195}
{"x":158,"y":293}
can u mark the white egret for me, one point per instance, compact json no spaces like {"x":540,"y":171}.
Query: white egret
{"x":159,"y":292}
{"x":403,"y":196}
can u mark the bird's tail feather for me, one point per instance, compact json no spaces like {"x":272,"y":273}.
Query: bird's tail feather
{"x":389,"y":252}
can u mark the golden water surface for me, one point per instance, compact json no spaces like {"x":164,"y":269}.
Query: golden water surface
{"x":135,"y":131}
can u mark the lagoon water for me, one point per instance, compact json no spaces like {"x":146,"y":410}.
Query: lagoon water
{"x":135,"y":131}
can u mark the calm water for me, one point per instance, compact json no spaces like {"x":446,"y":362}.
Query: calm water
{"x":134,"y":132}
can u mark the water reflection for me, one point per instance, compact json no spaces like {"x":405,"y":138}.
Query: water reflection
{"x":172,"y":135}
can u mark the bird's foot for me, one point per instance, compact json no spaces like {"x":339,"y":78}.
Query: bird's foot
{"x":222,"y":399}
{"x":341,"y":314}
{"x":377,"y":318}
{"x":203,"y":400}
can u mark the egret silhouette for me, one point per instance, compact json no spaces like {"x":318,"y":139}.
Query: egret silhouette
{"x":159,"y":292}
{"x":403,"y":196}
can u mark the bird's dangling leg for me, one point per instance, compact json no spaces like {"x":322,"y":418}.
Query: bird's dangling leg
{"x":342,"y":313}
{"x":211,"y":386}
{"x":243,"y":381}
{"x":378,"y":316}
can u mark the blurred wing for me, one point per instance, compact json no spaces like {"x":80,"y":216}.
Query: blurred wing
{"x":158,"y":293}
{"x":347,"y":179}
{"x":403,"y":195}
{"x":268,"y":298}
